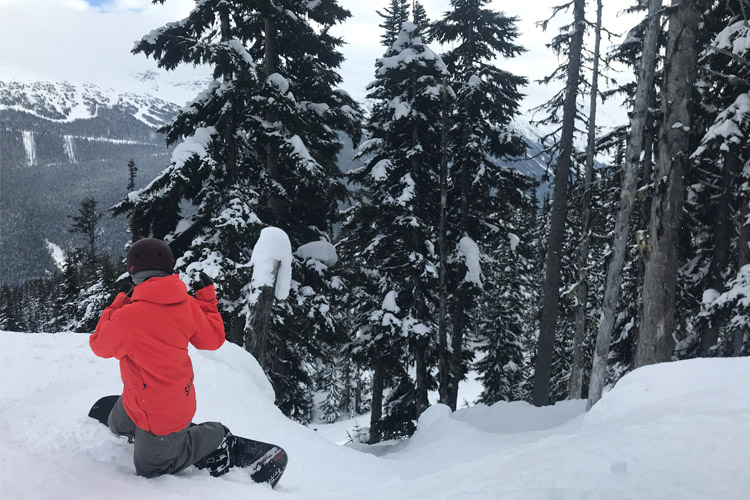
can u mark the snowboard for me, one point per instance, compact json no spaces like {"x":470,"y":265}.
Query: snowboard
{"x":266,"y":462}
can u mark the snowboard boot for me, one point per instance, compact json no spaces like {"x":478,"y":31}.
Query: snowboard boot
{"x":220,"y":460}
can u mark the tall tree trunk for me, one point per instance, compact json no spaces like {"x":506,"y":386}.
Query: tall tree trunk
{"x":270,"y":62}
{"x":743,"y":243}
{"x":419,"y":345}
{"x":230,"y":147}
{"x":722,"y":228}
{"x":237,"y":332}
{"x":376,"y":407}
{"x":656,"y":340}
{"x":743,"y":259}
{"x":575,"y":383}
{"x":92,"y":245}
{"x":444,"y":373}
{"x":420,"y":359}
{"x":457,"y":345}
{"x":643,"y":99}
{"x":462,"y":292}
{"x":551,"y":290}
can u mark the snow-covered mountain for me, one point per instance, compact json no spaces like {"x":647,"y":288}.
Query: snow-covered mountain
{"x":665,"y":432}
{"x":63,"y":102}
{"x":60,"y":143}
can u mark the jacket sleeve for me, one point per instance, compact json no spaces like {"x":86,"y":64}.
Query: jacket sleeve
{"x":110,"y":339}
{"x":209,"y":332}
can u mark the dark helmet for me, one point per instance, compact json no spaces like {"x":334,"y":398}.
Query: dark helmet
{"x":150,"y":254}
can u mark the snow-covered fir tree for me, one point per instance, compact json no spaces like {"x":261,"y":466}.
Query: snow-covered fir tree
{"x":261,"y":137}
{"x":390,"y":231}
{"x":505,"y":321}
{"x":419,"y":17}
{"x":717,"y":192}
{"x":487,"y":99}
{"x":393,"y":17}
{"x":331,"y":384}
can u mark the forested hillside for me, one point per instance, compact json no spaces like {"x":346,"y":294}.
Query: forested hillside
{"x":60,"y":144}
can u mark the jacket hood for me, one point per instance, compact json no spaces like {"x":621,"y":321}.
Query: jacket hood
{"x":166,"y":290}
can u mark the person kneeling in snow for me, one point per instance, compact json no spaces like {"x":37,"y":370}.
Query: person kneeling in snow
{"x":149,"y":333}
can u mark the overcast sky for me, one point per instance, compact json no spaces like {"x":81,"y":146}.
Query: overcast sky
{"x":91,"y":39}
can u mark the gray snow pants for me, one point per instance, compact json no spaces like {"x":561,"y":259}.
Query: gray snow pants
{"x":156,"y":455}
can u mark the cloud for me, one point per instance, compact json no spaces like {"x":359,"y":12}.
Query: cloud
{"x":79,"y":5}
{"x":75,"y":40}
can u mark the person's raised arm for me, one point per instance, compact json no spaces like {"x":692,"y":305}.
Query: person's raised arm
{"x":110,"y":338}
{"x":209,"y":333}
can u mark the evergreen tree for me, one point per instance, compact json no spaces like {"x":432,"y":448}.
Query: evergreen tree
{"x":6,"y":319}
{"x":717,"y":189}
{"x":64,"y":308}
{"x":85,"y":223}
{"x":420,"y":19}
{"x":504,"y":329}
{"x":732,"y":309}
{"x":394,"y":16}
{"x":332,"y":385}
{"x":487,"y":99}
{"x":132,"y":170}
{"x":258,"y":140}
{"x":390,"y":231}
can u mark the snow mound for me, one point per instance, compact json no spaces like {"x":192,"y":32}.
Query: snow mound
{"x":678,"y":430}
{"x":271,"y":250}
{"x":49,"y":448}
{"x":693,"y":388}
{"x":322,"y":251}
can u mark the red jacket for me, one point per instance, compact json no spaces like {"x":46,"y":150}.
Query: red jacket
{"x":149,"y":334}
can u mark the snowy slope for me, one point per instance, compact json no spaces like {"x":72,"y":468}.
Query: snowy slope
{"x":676,"y":431}
{"x":61,"y":101}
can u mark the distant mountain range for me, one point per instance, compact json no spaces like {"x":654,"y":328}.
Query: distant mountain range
{"x":61,"y":142}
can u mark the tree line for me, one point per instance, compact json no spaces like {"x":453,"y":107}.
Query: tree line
{"x":434,"y":259}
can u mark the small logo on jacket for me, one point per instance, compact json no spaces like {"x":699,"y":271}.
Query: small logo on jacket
{"x":188,"y":387}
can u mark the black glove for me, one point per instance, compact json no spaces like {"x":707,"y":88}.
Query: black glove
{"x":127,"y":289}
{"x":205,"y":280}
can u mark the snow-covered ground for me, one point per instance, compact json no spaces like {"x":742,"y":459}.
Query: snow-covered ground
{"x":673,"y":431}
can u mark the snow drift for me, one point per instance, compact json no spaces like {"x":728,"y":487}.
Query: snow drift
{"x":680,"y":430}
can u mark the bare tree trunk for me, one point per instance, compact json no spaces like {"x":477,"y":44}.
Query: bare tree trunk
{"x":237,"y":331}
{"x":444,"y":373}
{"x":551,"y":290}
{"x":743,"y":259}
{"x":457,"y":345}
{"x":421,"y":393}
{"x":722,"y":228}
{"x":643,"y":99}
{"x":656,"y":340}
{"x":376,"y":407}
{"x":743,"y":248}
{"x":256,"y":339}
{"x":575,"y":383}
